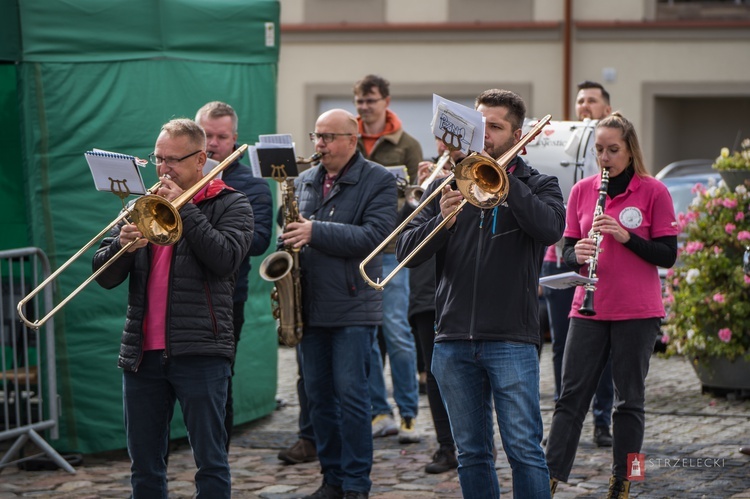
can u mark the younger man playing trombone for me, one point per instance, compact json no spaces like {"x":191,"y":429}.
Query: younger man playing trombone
{"x":487,"y":329}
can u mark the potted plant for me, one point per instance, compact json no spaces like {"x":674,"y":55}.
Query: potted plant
{"x":707,"y":294}
{"x":734,"y":168}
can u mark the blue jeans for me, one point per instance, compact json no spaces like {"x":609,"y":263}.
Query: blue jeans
{"x":336,"y":363}
{"x":200,"y":384}
{"x":400,"y":345}
{"x":473,"y":374}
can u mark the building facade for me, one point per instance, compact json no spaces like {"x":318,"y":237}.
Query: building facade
{"x":680,"y":70}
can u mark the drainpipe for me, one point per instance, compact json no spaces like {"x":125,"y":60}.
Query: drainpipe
{"x":567,"y":29}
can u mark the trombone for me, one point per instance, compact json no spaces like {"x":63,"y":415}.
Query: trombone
{"x":482,"y":181}
{"x":414,"y":193}
{"x":157,"y":219}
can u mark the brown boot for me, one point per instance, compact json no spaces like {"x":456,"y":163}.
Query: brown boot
{"x":303,"y":451}
{"x":618,"y":489}
{"x":553,"y":486}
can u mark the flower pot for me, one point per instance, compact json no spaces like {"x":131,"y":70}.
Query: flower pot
{"x":718,"y":372}
{"x":733,"y":178}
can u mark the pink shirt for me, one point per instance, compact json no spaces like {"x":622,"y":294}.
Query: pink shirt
{"x":154,"y":324}
{"x":551,"y":255}
{"x":628,"y":287}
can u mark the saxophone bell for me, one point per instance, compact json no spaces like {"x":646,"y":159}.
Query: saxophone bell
{"x":283,"y":268}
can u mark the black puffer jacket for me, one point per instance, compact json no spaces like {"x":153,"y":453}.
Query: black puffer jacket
{"x":487,"y":264}
{"x":356,"y":216}
{"x":240,"y":177}
{"x":216,"y":236}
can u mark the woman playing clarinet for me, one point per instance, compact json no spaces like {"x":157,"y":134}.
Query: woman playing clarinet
{"x":626,"y":238}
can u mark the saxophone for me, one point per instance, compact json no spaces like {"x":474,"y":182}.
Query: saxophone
{"x":283,"y":268}
{"x":587,"y":307}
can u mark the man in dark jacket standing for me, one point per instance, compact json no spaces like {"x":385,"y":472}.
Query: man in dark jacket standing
{"x":487,"y":331}
{"x":346,"y":209}
{"x":178,"y":342}
{"x":219,"y":120}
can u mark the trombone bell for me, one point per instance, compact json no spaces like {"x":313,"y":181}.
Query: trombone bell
{"x":482,"y":181}
{"x":157,"y":219}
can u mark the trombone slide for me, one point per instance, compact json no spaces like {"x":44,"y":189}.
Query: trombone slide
{"x":165,"y":209}
{"x":378,"y":284}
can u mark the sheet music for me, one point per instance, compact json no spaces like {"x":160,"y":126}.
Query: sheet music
{"x":210,"y":165}
{"x":400,"y":172}
{"x":450,"y":119}
{"x":270,"y":141}
{"x":276,"y":140}
{"x":252,"y":153}
{"x":115,"y":172}
{"x":566,"y":280}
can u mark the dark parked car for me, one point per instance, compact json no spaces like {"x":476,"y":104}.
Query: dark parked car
{"x":680,"y":178}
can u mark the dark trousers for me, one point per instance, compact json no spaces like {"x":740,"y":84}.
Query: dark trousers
{"x":559,"y":302}
{"x":238,"y":321}
{"x":630,"y":344}
{"x":424,"y":326}
{"x":305,"y":424}
{"x":199,"y":383}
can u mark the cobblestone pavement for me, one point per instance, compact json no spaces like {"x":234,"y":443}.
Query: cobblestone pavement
{"x":691,"y":446}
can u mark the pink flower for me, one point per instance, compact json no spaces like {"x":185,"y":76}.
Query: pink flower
{"x":739,"y":217}
{"x":743,"y":235}
{"x":719,"y":298}
{"x":665,"y":339}
{"x":698,"y":189}
{"x":729,"y":203}
{"x":747,"y":279}
{"x":729,"y":228}
{"x":717,"y":250}
{"x":725,"y":334}
{"x":693,"y":247}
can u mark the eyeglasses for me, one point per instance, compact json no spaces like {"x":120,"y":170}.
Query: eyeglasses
{"x":158,"y":160}
{"x":327,"y":137}
{"x":369,"y":102}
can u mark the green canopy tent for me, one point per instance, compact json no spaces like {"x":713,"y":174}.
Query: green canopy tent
{"x":91,"y":74}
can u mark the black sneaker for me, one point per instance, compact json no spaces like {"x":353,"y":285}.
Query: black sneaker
{"x":444,"y":459}
{"x":351,"y":494}
{"x":326,"y":492}
{"x":602,"y":437}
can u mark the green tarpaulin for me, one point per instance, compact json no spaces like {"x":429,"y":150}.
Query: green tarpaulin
{"x":107,"y":75}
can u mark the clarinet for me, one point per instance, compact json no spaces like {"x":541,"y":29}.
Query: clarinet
{"x":587,"y":308}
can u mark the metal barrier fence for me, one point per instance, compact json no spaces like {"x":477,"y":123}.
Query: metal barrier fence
{"x":28,"y":373}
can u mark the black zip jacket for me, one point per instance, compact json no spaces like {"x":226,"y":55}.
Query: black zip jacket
{"x":488,"y":263}
{"x":216,"y":236}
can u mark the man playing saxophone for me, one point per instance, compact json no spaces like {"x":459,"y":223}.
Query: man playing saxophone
{"x":346,"y":209}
